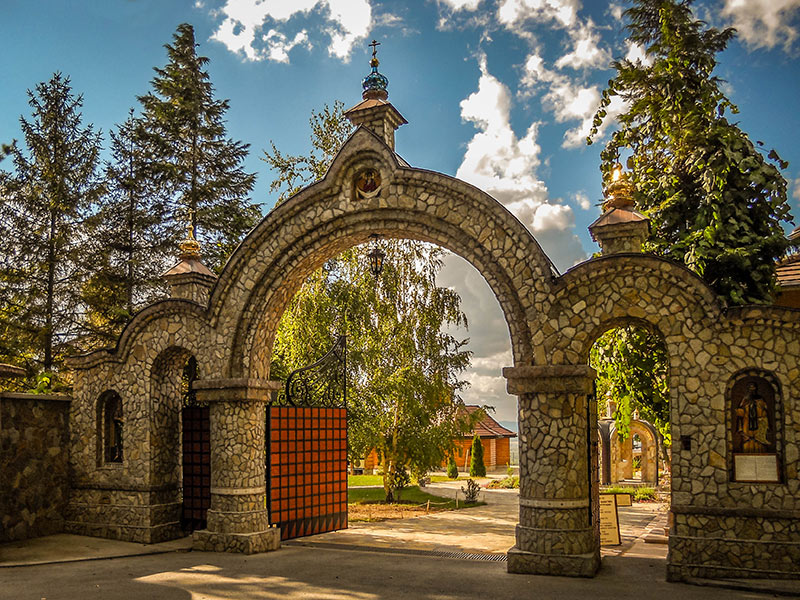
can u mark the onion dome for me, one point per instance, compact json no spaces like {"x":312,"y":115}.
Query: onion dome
{"x":375,"y":84}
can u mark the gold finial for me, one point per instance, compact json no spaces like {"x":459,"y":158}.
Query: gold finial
{"x":374,"y":62}
{"x":190,"y":247}
{"x":619,"y":193}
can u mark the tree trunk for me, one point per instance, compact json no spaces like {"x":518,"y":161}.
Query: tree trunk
{"x":51,"y":278}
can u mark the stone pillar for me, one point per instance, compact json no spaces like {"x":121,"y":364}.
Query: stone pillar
{"x":238,"y":520}
{"x":558,"y":531}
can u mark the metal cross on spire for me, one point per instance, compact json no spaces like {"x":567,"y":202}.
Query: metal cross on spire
{"x":374,"y":45}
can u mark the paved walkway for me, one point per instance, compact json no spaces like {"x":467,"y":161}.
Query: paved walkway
{"x":485,"y":529}
{"x":413,"y":558}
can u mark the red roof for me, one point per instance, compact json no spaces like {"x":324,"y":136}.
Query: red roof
{"x":488,"y":427}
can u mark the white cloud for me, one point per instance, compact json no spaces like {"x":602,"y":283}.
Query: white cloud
{"x":504,"y":165}
{"x":636,"y":54}
{"x":582,"y":200}
{"x":514,"y":13}
{"x":616,"y":10}
{"x":278,"y":46}
{"x":489,"y":339}
{"x":796,"y":189}
{"x":763,"y":23}
{"x":457,"y":5}
{"x":568,"y":100}
{"x":346,"y":22}
{"x":586,"y":53}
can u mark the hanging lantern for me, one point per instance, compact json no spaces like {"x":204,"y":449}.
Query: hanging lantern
{"x":376,"y":257}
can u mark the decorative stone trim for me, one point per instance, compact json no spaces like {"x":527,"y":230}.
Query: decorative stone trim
{"x":582,"y":565}
{"x":229,"y":491}
{"x":244,"y":543}
{"x":557,"y":503}
{"x":575,"y":379}
{"x":235,"y":390}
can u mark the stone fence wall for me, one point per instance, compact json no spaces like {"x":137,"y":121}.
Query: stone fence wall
{"x":34,"y":464}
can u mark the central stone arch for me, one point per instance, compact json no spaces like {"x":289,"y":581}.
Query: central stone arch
{"x":557,"y":534}
{"x":325,"y":219}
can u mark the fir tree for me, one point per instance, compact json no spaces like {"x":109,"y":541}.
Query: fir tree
{"x":196,"y":167}
{"x":476,"y":466}
{"x":713,"y":200}
{"x":43,"y":243}
{"x":132,"y":236}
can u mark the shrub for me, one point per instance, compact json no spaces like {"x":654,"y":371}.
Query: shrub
{"x":452,"y":468}
{"x":471,"y":491}
{"x":476,"y":466}
{"x":400,"y":480}
{"x":507,"y":483}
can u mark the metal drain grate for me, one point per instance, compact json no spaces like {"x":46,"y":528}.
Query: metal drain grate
{"x":470,"y":556}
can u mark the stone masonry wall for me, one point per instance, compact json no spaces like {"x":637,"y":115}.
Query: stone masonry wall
{"x":721,"y":528}
{"x":34,"y":467}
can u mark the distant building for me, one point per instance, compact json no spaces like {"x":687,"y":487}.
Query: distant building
{"x":788,"y":274}
{"x":494,"y":437}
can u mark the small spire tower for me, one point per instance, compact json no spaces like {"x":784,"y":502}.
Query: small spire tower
{"x":190,"y":279}
{"x":621,"y":228}
{"x":375,"y":111}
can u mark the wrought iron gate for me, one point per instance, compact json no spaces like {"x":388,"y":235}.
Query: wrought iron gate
{"x":307,"y":448}
{"x":196,"y":427}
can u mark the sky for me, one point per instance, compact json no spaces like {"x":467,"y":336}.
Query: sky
{"x":499,"y":93}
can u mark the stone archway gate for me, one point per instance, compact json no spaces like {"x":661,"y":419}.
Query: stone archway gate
{"x":721,"y":528}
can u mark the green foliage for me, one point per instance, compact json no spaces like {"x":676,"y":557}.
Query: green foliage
{"x":403,"y":369}
{"x":44,"y":240}
{"x":476,"y":466}
{"x":412,"y":496}
{"x":5,"y":150}
{"x":452,"y":468}
{"x":714,"y":201}
{"x":639,"y":494}
{"x":508,"y":483}
{"x":47,"y":382}
{"x":329,"y":130}
{"x":632,"y":370}
{"x":194,"y":165}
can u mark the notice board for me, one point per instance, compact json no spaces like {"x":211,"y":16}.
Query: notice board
{"x":609,"y":520}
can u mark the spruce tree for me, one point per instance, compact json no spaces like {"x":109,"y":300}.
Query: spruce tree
{"x":43,"y":239}
{"x":715,"y":202}
{"x":196,"y":167}
{"x":132,"y":236}
{"x":476,"y":466}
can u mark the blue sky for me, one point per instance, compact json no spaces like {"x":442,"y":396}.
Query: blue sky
{"x":497,"y":92}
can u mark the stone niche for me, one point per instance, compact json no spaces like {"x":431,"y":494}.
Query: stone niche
{"x":754,"y":430}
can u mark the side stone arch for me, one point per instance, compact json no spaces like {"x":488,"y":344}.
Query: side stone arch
{"x":637,"y":289}
{"x":139,"y":498}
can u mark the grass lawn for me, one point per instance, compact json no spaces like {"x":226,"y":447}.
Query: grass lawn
{"x":364,"y":480}
{"x":366,"y":504}
{"x":441,"y":478}
{"x":378,"y":479}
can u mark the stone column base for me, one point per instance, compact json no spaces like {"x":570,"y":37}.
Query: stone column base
{"x":244,"y":543}
{"x":569,"y":565}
